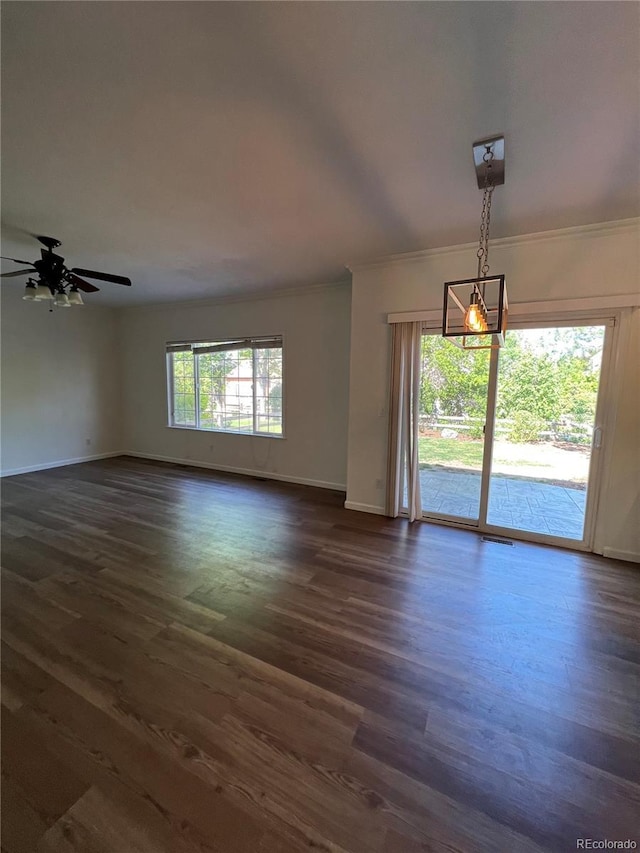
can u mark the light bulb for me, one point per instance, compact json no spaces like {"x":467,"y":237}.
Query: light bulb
{"x":473,"y":317}
{"x":62,"y":300}
{"x":75,"y":297}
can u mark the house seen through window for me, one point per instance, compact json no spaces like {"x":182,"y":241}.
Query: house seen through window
{"x":232,"y":386}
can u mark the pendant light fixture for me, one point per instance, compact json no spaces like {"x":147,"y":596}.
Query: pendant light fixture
{"x":475,"y":309}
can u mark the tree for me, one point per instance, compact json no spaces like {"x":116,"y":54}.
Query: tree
{"x":548,"y":373}
{"x":528,"y":382}
{"x":268,"y":378}
{"x":453,"y":381}
{"x":543,"y":374}
{"x":213,"y":370}
{"x":578,"y":387}
{"x":184,"y":400}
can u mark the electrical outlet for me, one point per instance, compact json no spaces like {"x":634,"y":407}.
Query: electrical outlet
{"x":87,"y":441}
{"x":379,"y":484}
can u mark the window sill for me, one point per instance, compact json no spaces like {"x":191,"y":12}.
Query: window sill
{"x":227,"y":431}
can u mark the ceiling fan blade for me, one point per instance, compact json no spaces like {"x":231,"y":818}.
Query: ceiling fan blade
{"x":81,"y":284}
{"x":15,"y":260}
{"x":16,"y":272}
{"x":103,"y":276}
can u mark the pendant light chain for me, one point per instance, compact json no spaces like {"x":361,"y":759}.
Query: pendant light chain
{"x":485,"y":217}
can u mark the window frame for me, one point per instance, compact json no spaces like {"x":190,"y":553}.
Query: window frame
{"x":193,"y":346}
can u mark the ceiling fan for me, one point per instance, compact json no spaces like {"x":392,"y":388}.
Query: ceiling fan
{"x":54,"y":277}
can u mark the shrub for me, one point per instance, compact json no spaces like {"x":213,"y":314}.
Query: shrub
{"x":476,"y":430}
{"x":525,"y":427}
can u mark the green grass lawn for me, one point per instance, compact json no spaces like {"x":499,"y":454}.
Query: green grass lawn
{"x":450,"y":451}
{"x":247,"y":424}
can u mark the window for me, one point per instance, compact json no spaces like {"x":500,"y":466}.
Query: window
{"x":232,"y":386}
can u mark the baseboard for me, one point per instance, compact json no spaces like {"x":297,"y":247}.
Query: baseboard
{"x":247,"y":472}
{"x":60,"y":463}
{"x":374,"y":510}
{"x":615,"y":554}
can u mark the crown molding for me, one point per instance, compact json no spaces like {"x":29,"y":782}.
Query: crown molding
{"x":616,"y":226}
{"x":249,"y":296}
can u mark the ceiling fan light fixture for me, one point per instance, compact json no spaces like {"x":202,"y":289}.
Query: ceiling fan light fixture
{"x":30,"y":292}
{"x":54,"y":277}
{"x":43,"y":293}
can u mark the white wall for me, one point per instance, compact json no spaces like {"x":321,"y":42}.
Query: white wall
{"x":570,"y":264}
{"x":60,"y":383}
{"x":315,"y":325}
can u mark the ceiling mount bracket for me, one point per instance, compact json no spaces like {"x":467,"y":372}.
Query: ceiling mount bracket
{"x":50,"y":242}
{"x":495,"y":144}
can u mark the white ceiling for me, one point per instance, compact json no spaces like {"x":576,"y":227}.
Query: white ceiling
{"x":210,"y":149}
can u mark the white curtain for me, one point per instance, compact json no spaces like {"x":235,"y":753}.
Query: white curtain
{"x":404,"y":412}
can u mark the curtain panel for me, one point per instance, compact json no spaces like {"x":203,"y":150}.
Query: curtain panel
{"x":404,"y":413}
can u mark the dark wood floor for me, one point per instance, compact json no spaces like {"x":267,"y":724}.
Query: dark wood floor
{"x":200,"y":662}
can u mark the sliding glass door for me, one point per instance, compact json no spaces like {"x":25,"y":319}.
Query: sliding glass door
{"x":453,"y":413}
{"x":509,"y":437}
{"x":545,"y":429}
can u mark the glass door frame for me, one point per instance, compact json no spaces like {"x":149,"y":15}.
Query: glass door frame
{"x":602,"y":427}
{"x":487,"y":437}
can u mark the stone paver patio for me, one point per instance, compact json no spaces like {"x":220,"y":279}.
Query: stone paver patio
{"x":515,"y":502}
